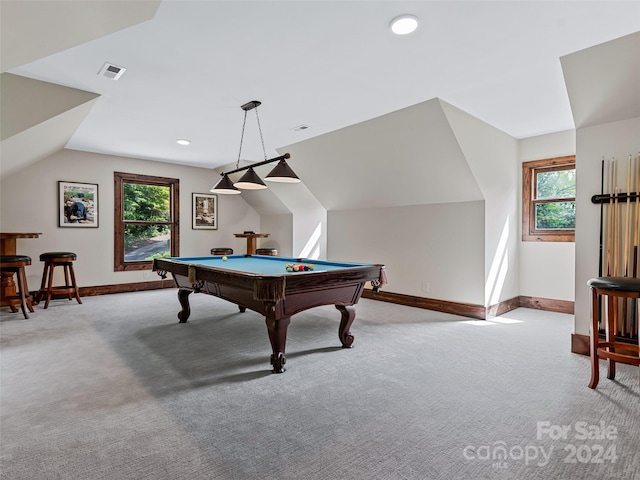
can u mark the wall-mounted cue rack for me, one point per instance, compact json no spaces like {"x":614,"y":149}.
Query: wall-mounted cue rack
{"x":620,"y":238}
{"x":621,"y":197}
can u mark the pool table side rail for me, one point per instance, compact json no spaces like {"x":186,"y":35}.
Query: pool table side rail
{"x":253,"y":291}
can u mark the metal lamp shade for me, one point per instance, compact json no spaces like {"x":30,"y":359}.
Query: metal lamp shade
{"x":225,"y":186}
{"x":282,"y":173}
{"x":250,"y":181}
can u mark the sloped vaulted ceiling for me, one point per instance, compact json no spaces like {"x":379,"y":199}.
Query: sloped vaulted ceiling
{"x":39,"y":118}
{"x":407,"y":157}
{"x":64,"y":24}
{"x":603,"y":82}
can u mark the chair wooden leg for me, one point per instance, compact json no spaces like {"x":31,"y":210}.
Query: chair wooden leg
{"x":22,"y":286}
{"x":595,"y":361}
{"x":610,"y":333}
{"x":75,"y":285}
{"x":49,"y":287}
{"x":26,"y":291}
{"x":67,"y":282}
{"x":40,"y":293}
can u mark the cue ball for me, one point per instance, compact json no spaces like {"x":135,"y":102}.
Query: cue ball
{"x":224,"y":259}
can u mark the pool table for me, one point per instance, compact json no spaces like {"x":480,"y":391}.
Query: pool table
{"x":263,"y":284}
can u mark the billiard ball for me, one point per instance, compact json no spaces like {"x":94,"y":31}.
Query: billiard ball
{"x":224,"y":259}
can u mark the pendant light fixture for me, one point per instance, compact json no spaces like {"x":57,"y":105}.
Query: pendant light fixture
{"x":250,"y":180}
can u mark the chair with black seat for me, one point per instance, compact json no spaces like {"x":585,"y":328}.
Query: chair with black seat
{"x":613,"y":290}
{"x":267,"y":251}
{"x":14,"y":264}
{"x":221,"y":251}
{"x":47,"y":288}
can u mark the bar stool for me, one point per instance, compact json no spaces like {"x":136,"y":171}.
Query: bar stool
{"x":15,"y":264}
{"x":614,"y":289}
{"x":47,"y":289}
{"x":221,"y":251}
{"x":267,"y":251}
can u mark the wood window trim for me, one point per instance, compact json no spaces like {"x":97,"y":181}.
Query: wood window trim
{"x":119,"y":179}
{"x":529,"y":232}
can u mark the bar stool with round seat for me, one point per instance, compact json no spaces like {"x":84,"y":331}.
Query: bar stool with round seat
{"x":613,"y":289}
{"x":14,"y":264}
{"x":267,"y":251}
{"x":221,"y":251}
{"x":47,"y":289}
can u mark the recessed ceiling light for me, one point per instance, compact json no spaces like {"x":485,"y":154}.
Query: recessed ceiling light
{"x":404,"y":24}
{"x":183,"y":141}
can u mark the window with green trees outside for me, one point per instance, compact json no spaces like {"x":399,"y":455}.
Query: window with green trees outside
{"x":146,"y":220}
{"x":549,"y":199}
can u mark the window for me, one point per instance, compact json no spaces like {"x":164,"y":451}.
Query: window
{"x":549,"y":200}
{"x":146,"y":220}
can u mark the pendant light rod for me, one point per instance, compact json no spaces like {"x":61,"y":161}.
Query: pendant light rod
{"x":259,"y":164}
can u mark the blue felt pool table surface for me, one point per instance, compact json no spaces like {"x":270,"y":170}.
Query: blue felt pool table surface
{"x":265,"y":265}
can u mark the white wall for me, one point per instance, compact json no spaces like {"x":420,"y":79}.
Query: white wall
{"x":617,"y":140}
{"x":490,"y":153}
{"x":441,"y":245}
{"x":279,"y":228}
{"x":547,"y":269}
{"x":29,"y":203}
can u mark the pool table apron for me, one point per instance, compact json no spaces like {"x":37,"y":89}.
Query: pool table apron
{"x":277,"y":297}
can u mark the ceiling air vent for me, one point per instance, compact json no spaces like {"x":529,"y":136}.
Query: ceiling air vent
{"x":111,"y":71}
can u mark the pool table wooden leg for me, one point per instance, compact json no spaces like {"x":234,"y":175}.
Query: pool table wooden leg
{"x":183,"y":298}
{"x":348,"y":316}
{"x":278,"y":337}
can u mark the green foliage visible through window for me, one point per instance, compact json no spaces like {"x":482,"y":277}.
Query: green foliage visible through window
{"x":556,"y":184}
{"x":149,"y":206}
{"x":146,"y":220}
{"x":554,"y":202}
{"x":149,"y":203}
{"x":561,"y":215}
{"x":549,"y":199}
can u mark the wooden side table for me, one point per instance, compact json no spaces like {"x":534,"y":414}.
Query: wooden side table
{"x":252,"y":242}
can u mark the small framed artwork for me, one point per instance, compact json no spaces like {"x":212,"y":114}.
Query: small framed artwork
{"x":77,"y":204}
{"x":205,"y":211}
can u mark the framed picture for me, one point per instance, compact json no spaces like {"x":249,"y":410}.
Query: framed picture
{"x":205,"y":211}
{"x":77,"y":204}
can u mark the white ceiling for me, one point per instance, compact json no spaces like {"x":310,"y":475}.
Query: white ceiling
{"x":327,"y":64}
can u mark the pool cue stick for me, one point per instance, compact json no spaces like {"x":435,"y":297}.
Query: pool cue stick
{"x":610,"y":220}
{"x":611,"y":171}
{"x":627,"y":221}
{"x":601,"y":217}
{"x":600,"y":252}
{"x":625,"y":252}
{"x":636,"y":232}
{"x":637,"y":217}
{"x":616,"y":240}
{"x":634,"y":269}
{"x":616,"y":228}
